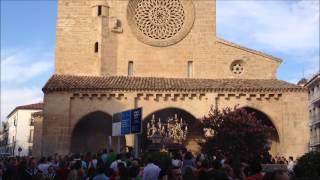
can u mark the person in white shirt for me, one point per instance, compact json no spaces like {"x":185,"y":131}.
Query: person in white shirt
{"x":291,"y":164}
{"x":114,"y":164}
{"x":151,"y":171}
{"x":176,"y":160}
{"x":44,"y":165}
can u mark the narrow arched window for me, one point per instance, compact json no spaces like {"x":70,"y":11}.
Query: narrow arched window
{"x":190,"y":69}
{"x":130,"y":68}
{"x":96,"y":47}
{"x":99,"y":13}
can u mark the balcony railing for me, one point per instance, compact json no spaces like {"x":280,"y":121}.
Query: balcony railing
{"x":314,"y":98}
{"x":315,"y":142}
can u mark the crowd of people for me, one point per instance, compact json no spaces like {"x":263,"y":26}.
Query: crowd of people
{"x":108,"y":165}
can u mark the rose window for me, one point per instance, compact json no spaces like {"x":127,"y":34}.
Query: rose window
{"x":160,"y":22}
{"x":237,"y":67}
{"x":159,"y":19}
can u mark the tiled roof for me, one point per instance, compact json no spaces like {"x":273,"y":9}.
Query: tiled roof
{"x":34,"y":106}
{"x":31,"y":106}
{"x":124,"y":83}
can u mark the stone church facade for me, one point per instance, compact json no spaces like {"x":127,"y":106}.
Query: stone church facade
{"x":114,"y":55}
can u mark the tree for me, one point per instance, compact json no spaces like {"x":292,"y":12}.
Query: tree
{"x":235,"y":133}
{"x":308,"y":166}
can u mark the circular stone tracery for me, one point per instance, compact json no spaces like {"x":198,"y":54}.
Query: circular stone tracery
{"x":159,"y":19}
{"x":160,"y":22}
{"x":237,"y":67}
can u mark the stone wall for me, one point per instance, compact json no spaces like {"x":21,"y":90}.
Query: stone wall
{"x":37,"y":136}
{"x":79,"y":27}
{"x":64,"y":111}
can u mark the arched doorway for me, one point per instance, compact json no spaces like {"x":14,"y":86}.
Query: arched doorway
{"x":274,"y":138}
{"x":92,"y":133}
{"x":194,"y":126}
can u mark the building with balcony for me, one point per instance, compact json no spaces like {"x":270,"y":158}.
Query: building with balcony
{"x":20,"y":129}
{"x":313,"y":86}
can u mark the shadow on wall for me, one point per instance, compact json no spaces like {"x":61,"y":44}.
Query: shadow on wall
{"x":92,"y":133}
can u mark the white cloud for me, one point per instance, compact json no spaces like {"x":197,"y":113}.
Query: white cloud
{"x":285,"y":29}
{"x":275,"y":25}
{"x":25,"y":65}
{"x":10,"y":98}
{"x":23,"y":73}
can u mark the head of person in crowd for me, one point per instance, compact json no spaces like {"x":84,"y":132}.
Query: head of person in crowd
{"x":51,"y":170}
{"x":174,"y":173}
{"x":101,"y":168}
{"x":176,"y":155}
{"x":228,"y":170}
{"x":1,"y":170}
{"x":150,"y":160}
{"x":188,"y":156}
{"x":105,"y":151}
{"x":43,"y":160}
{"x":76,"y":156}
{"x":23,"y":163}
{"x":77,"y":165}
{"x":204,"y":164}
{"x":50,"y":160}
{"x":134,"y":172}
{"x":176,"y":159}
{"x":118,"y":157}
{"x":32,"y":163}
{"x":255,"y":167}
{"x":122,"y":170}
{"x":290,"y":158}
{"x":189,"y":174}
{"x":135,"y":162}
{"x":216,"y":164}
{"x":88,"y":157}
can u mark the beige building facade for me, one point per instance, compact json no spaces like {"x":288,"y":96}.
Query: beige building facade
{"x":163,"y":56}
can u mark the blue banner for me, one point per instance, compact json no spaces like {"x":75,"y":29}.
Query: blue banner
{"x":130,"y":121}
{"x":136,"y":118}
{"x":125,"y":122}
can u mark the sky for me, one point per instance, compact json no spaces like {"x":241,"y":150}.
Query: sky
{"x":287,"y":29}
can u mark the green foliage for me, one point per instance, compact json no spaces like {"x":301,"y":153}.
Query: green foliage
{"x":236,"y":133}
{"x":308,"y":166}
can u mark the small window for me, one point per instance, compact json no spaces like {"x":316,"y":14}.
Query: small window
{"x":30,"y":150}
{"x":31,"y":136}
{"x":99,"y":10}
{"x":15,"y":120}
{"x":190,"y":69}
{"x":31,"y":121}
{"x":96,"y":47}
{"x":130,"y":68}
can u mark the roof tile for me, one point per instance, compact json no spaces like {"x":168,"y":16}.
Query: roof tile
{"x":125,"y":83}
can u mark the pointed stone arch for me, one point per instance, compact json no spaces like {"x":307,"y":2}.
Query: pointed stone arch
{"x":267,"y":120}
{"x":92,"y":132}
